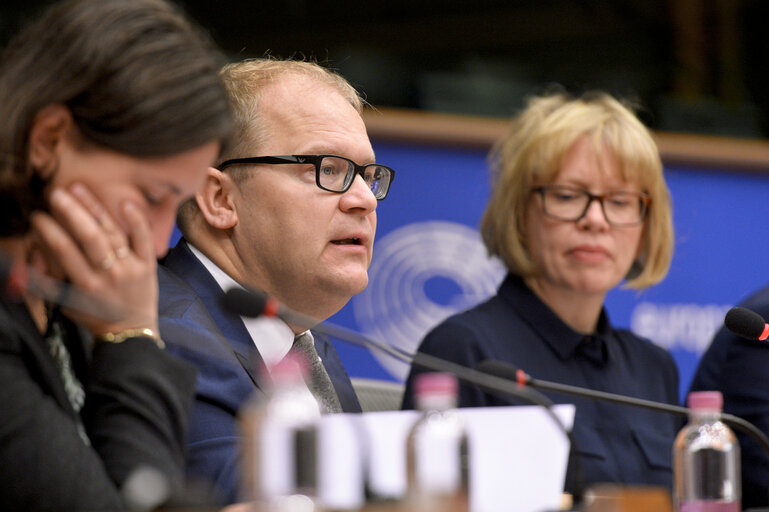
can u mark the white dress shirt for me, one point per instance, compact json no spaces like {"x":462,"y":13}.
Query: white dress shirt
{"x":271,"y":336}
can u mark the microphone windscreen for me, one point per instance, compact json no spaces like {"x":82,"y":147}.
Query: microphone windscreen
{"x":498,"y":369}
{"x":744,"y":322}
{"x":246,"y":303}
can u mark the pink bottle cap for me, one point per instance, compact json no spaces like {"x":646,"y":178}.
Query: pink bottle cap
{"x":293,"y":366}
{"x":435,"y":383}
{"x":706,"y":400}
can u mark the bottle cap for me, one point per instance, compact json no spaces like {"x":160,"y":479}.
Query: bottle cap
{"x":706,"y":400}
{"x":435,"y":384}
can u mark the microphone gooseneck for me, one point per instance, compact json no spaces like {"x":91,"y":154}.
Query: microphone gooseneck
{"x":747,"y":324}
{"x":513,"y":373}
{"x":255,"y":303}
{"x":522,"y":378}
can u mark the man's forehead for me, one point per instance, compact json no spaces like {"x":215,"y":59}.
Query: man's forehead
{"x":323,"y":122}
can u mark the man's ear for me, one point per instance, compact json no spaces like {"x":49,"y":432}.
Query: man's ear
{"x":216,"y":200}
{"x":50,"y":126}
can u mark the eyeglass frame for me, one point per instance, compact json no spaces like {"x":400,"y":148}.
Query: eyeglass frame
{"x":645,"y":199}
{"x":358,"y":170}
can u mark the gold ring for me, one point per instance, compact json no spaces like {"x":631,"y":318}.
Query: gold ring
{"x":108,"y":261}
{"x":122,"y":252}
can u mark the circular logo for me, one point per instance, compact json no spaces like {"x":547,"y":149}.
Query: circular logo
{"x":420,"y":274}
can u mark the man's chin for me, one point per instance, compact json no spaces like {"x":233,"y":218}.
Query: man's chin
{"x":348,"y":285}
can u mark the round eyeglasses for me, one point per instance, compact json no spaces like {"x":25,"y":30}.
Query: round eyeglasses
{"x":332,"y":173}
{"x":567,"y":203}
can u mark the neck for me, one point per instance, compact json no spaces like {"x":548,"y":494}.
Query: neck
{"x":578,"y":310}
{"x":305,"y":300}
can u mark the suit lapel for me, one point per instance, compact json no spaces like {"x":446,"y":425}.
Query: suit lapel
{"x":29,"y":336}
{"x":189,"y":269}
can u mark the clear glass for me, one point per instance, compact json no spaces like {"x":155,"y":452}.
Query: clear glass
{"x":437,"y":458}
{"x":280,"y":452}
{"x":706,"y":466}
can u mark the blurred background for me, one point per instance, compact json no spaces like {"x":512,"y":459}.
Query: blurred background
{"x":696,"y":66}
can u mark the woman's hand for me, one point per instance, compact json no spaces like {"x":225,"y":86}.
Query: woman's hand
{"x":82,"y":242}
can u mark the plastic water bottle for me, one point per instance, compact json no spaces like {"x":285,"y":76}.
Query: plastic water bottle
{"x":280,"y":441}
{"x":437,"y":448}
{"x":706,"y":459}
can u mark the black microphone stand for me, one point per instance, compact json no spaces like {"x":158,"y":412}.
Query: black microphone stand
{"x":730,"y":419}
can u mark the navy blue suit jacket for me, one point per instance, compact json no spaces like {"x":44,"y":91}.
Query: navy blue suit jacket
{"x":226,"y":358}
{"x":739,"y":368}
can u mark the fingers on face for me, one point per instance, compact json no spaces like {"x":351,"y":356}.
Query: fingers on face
{"x":139,"y":232}
{"x":80,"y":232}
{"x":99,"y":214}
{"x":59,"y":249}
{"x":88,"y":224}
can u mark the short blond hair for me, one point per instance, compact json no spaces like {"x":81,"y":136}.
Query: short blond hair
{"x":245,"y":82}
{"x":531,"y":153}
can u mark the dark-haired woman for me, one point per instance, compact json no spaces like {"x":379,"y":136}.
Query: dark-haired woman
{"x":112,"y":110}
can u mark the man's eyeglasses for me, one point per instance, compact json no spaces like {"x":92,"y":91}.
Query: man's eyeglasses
{"x":567,"y":203}
{"x":332,"y":173}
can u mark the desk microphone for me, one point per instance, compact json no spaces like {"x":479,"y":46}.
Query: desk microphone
{"x":747,"y":324}
{"x":510,"y":372}
{"x":253,"y":303}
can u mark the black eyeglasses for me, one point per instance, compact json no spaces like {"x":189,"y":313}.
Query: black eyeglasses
{"x":332,"y":173}
{"x":567,"y":203}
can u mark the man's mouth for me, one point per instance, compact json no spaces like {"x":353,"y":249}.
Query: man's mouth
{"x":347,"y":241}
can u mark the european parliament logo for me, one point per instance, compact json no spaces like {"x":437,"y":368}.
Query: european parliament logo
{"x":421,"y":274}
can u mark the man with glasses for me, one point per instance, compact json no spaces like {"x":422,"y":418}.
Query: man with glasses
{"x":290,"y":210}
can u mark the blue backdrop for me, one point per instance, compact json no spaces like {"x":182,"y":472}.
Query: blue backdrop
{"x":429,"y":261}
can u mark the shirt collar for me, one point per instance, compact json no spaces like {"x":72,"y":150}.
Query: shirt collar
{"x":272,"y":337}
{"x":562,"y":339}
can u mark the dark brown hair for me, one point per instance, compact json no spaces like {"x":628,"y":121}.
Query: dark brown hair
{"x":137,"y":75}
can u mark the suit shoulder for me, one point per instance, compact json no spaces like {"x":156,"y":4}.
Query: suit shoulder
{"x":176,"y":297}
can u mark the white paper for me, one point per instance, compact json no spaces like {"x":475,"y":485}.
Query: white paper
{"x":518,"y":455}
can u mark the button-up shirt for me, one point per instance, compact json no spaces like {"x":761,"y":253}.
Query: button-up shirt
{"x":615,"y":443}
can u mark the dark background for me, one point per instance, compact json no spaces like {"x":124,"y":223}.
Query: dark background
{"x":697,"y":66}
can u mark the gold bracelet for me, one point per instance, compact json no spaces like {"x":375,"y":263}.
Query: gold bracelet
{"x":120,"y":337}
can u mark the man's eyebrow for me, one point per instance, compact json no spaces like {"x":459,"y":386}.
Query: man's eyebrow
{"x":325,"y":150}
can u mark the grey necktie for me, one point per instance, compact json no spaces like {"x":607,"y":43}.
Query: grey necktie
{"x":320,"y":384}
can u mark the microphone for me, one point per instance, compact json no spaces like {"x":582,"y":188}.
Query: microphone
{"x":747,"y":324}
{"x":252,"y":303}
{"x":18,"y":280}
{"x":510,"y":372}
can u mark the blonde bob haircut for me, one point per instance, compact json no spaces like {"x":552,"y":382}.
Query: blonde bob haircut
{"x":531,"y":153}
